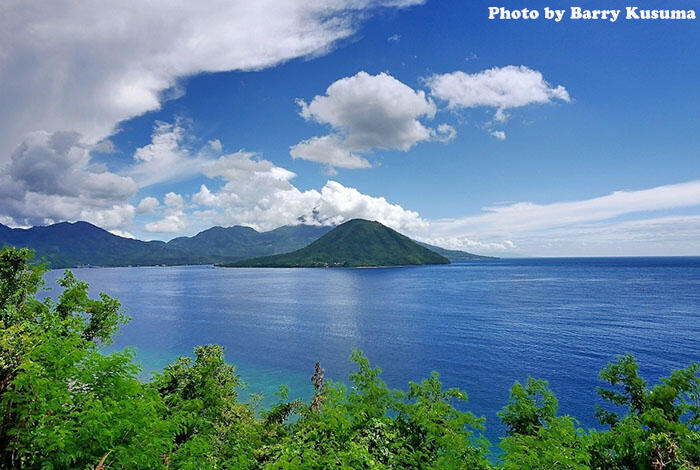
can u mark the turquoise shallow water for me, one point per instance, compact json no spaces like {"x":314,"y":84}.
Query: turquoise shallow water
{"x":481,"y":325}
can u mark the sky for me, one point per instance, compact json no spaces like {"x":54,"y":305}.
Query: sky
{"x":504,"y":137}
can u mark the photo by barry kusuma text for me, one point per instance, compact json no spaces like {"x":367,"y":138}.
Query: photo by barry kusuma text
{"x":579,"y":13}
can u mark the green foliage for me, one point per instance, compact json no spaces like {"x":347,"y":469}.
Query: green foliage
{"x":557,"y":444}
{"x":373,"y":427}
{"x":19,"y":283}
{"x":212,"y":427}
{"x":529,"y":407}
{"x":537,"y":437}
{"x":65,"y":405}
{"x":660,"y":427}
{"x":623,"y":375}
{"x":225,"y":245}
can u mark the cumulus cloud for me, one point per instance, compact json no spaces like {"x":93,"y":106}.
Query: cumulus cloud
{"x":247,"y":169}
{"x":367,"y":112}
{"x":174,"y":201}
{"x":85,"y":67}
{"x":257,"y":193}
{"x":444,"y":133}
{"x":216,"y":145}
{"x":171,"y":223}
{"x":205,"y":197}
{"x":57,"y":164}
{"x":147,"y":205}
{"x":372,"y":111}
{"x":175,"y":220}
{"x":339,"y":203}
{"x":167,"y":158}
{"x":328,"y":150}
{"x":502,"y":88}
{"x":50,"y":178}
{"x":500,"y":135}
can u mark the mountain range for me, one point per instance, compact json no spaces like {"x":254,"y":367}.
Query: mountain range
{"x":70,"y":244}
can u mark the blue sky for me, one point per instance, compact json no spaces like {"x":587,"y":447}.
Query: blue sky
{"x":577,"y":138}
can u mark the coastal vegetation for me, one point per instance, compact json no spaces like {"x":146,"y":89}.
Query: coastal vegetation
{"x":355,"y":243}
{"x":64,"y":404}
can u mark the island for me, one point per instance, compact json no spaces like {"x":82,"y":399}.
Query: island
{"x":353,"y":244}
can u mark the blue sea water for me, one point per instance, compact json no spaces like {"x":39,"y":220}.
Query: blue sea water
{"x":482,"y":325}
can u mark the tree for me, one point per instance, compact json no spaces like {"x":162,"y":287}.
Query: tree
{"x":529,"y":407}
{"x":64,"y":404}
{"x":371,"y":426}
{"x":659,"y":429}
{"x":212,"y":429}
{"x":537,"y":437}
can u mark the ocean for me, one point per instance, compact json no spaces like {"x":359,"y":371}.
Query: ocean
{"x":482,"y":325}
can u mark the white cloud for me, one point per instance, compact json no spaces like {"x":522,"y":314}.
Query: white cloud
{"x":500,"y":135}
{"x":339,"y":203}
{"x":85,"y":67}
{"x":122,"y":233}
{"x":58,"y":164}
{"x":499,"y":87}
{"x":372,"y":111}
{"x":147,"y":205}
{"x":464,"y":243}
{"x":174,"y":201}
{"x":50,"y":177}
{"x":588,"y":226}
{"x":444,"y":133}
{"x":669,"y":235}
{"x":367,"y":112}
{"x":166,"y":158}
{"x":172,"y":223}
{"x":175,"y":220}
{"x":329,"y":150}
{"x":118,"y":215}
{"x":246,"y":168}
{"x":260,"y":194}
{"x":104,"y":146}
{"x":205,"y":197}
{"x":645,"y":236}
{"x":216,"y":145}
{"x":526,"y":214}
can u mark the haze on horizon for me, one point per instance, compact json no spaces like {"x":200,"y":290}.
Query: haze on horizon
{"x":501,"y":138}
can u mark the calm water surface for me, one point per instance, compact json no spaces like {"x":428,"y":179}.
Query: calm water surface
{"x":481,"y":325}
